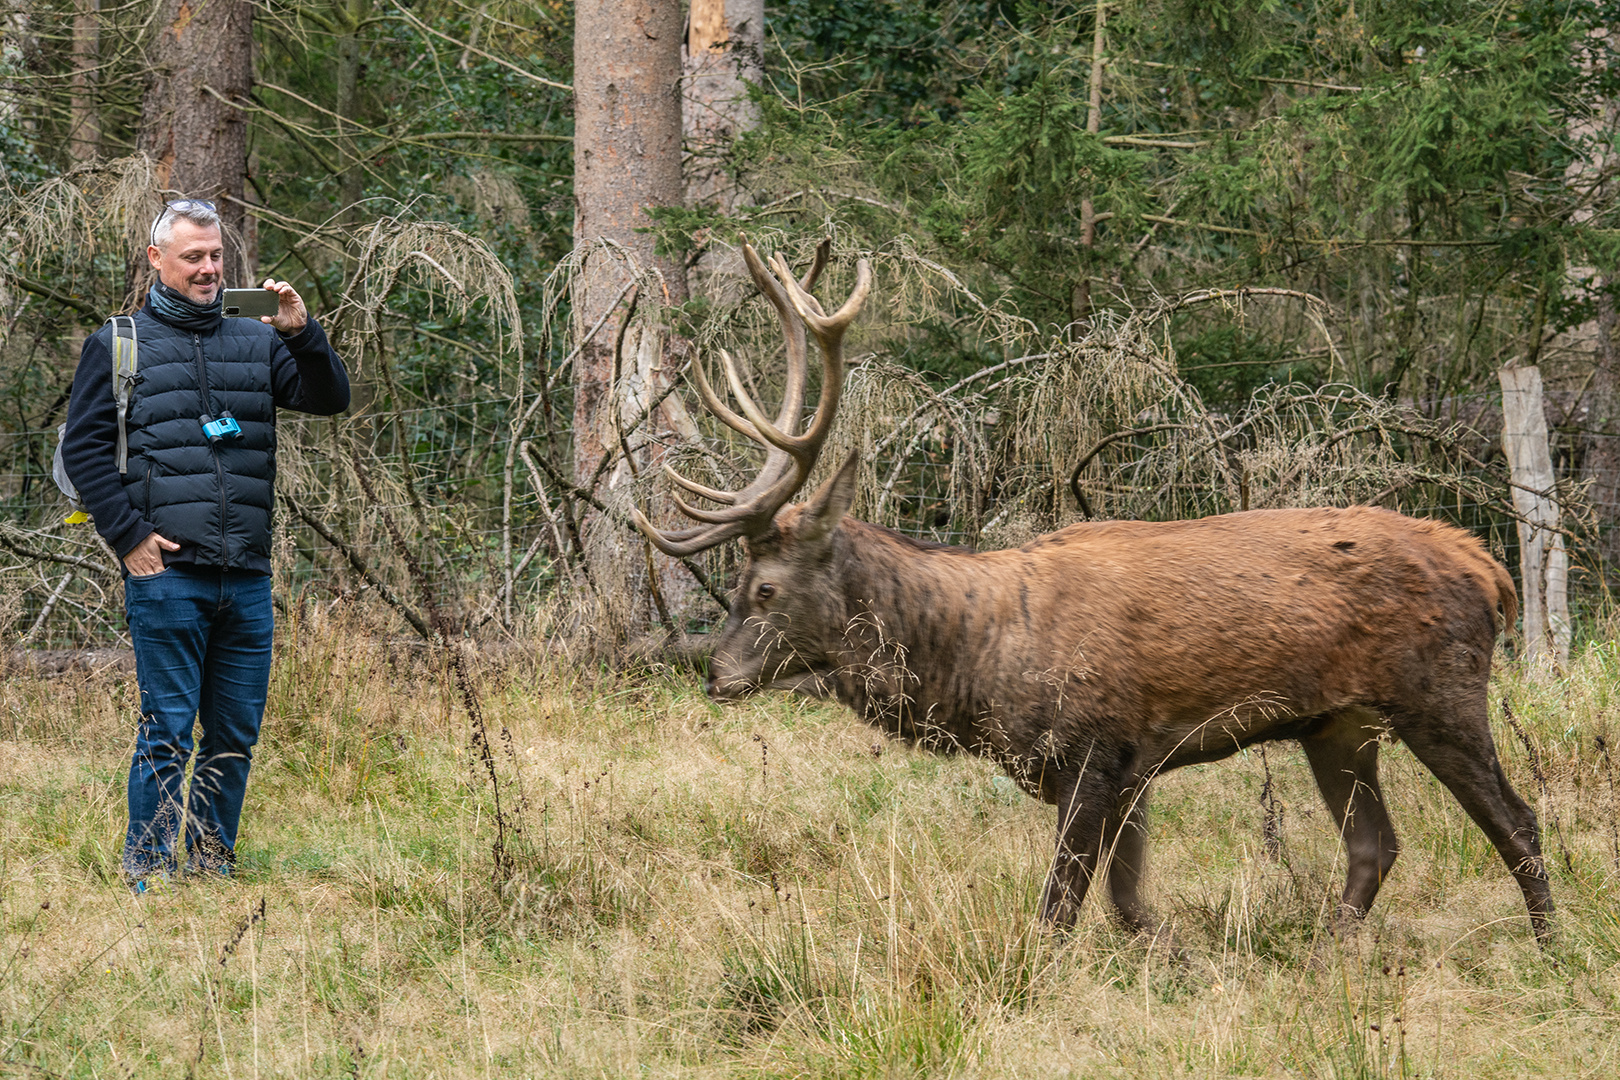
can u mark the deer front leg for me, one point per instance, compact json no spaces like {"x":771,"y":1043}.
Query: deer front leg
{"x":1085,"y":805}
{"x":1344,"y":758}
{"x":1128,"y":858}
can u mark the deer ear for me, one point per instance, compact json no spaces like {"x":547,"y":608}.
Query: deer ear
{"x":830,"y":503}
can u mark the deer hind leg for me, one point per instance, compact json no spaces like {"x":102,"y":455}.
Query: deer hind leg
{"x":1344,"y":758}
{"x":1457,"y":747}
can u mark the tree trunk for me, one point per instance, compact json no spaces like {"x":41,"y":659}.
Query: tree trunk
{"x":84,"y":117}
{"x":1543,"y":562}
{"x":1080,"y":296}
{"x":723,"y":53}
{"x":353,"y":182}
{"x":16,"y":43}
{"x":1600,"y":464}
{"x":1600,"y":458}
{"x":627,"y":158}
{"x":203,"y":53}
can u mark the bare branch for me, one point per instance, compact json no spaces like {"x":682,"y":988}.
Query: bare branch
{"x":420,"y":25}
{"x":361,"y":567}
{"x":93,"y":565}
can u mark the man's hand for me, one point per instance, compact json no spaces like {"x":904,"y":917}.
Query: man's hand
{"x":292,"y":316}
{"x":147,"y":557}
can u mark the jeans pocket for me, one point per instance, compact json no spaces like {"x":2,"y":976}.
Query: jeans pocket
{"x":148,"y":577}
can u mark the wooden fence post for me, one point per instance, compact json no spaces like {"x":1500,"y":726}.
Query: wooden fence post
{"x":1543,"y":562}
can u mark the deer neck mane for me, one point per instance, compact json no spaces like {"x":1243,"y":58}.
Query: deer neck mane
{"x":900,"y":597}
{"x":894,"y":576}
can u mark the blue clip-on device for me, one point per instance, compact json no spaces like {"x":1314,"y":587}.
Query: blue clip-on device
{"x":221,"y":429}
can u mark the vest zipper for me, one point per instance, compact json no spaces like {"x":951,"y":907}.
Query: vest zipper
{"x":219,"y":466}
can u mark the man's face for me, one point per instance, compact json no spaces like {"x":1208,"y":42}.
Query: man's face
{"x":192,"y":261}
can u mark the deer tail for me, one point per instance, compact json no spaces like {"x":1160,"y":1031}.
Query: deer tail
{"x":1506,"y":595}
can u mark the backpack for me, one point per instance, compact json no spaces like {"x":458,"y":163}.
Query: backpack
{"x":126,"y":364}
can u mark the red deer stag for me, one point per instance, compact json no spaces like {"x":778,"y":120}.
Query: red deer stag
{"x":1092,"y":659}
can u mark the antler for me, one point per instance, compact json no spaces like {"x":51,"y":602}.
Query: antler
{"x":790,"y":456}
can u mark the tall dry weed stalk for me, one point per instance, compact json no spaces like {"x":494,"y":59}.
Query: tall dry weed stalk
{"x":214,"y":979}
{"x":506,"y":792}
{"x":1601,"y":744}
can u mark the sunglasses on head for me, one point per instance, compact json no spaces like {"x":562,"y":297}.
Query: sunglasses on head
{"x":179,"y":206}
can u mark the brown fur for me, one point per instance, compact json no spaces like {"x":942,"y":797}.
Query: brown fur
{"x":1095,"y":657}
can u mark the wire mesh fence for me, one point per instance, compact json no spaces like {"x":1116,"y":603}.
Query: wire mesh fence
{"x":472,"y":514}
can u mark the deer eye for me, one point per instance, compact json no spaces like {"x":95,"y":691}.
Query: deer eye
{"x":765,"y":591}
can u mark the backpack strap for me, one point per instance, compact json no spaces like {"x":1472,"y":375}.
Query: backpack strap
{"x":126,"y":368}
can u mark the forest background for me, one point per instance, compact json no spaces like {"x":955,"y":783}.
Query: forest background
{"x":1218,"y":255}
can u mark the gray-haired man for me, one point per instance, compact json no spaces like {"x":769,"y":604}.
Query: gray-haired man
{"x":190,"y":518}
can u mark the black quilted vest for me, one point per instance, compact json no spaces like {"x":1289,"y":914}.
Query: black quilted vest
{"x":215,"y":499}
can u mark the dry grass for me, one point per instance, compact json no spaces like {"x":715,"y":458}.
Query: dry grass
{"x":91,"y":209}
{"x":766,"y":890}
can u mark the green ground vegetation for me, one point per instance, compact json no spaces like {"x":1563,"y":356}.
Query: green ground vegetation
{"x":769,"y":889}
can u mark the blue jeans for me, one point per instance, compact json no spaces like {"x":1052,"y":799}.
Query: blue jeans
{"x":202,"y":652}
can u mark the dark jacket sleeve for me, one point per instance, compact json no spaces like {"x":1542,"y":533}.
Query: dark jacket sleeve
{"x":307,"y":375}
{"x":90,"y":448}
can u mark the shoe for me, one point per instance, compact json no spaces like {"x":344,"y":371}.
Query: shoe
{"x":145,"y":882}
{"x":210,"y":858}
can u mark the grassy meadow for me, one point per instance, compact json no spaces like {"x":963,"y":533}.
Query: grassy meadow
{"x":768,"y":889}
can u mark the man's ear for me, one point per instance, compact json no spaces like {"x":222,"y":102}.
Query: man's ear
{"x":830,"y":503}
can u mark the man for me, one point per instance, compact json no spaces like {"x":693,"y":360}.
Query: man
{"x":190,"y":518}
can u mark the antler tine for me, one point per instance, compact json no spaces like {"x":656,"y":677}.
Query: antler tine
{"x":711,"y":517}
{"x":732,"y":420}
{"x":829,"y":331}
{"x":677,"y":536}
{"x":823,"y":250}
{"x":712,"y":494}
{"x":732,"y":515}
{"x":768,"y":432}
{"x":795,"y":295}
{"x":756,"y":515}
{"x":686,"y":545}
{"x":756,"y":505}
{"x":748,"y":503}
{"x":798,"y":371}
{"x":719,"y":407}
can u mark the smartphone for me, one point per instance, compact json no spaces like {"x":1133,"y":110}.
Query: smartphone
{"x":251,"y":303}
